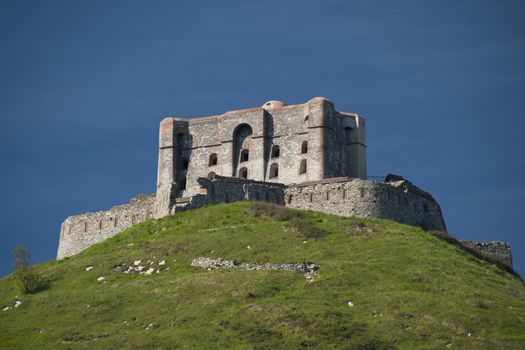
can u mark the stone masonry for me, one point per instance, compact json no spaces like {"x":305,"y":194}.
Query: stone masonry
{"x":274,"y":143}
{"x":79,"y":232}
{"x":496,"y":249}
{"x":304,"y":156}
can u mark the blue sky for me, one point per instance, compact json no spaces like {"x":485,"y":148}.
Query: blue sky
{"x":83,"y":86}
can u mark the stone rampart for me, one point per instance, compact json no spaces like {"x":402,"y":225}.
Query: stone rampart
{"x":229,"y":189}
{"x":82,"y":231}
{"x":496,"y":249}
{"x":399,"y":201}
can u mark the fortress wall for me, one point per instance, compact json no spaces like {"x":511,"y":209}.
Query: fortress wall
{"x":227,"y":189}
{"x":340,"y":196}
{"x":205,"y":140}
{"x":496,"y":249}
{"x":186,"y":145}
{"x":400,"y":201}
{"x":355,"y":197}
{"x":287,"y":128}
{"x":82,"y":231}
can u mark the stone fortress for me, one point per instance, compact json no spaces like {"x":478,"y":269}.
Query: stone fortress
{"x":306,"y":156}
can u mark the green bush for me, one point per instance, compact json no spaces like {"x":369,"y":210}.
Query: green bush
{"x":25,"y":276}
{"x":306,"y":228}
{"x":28,"y":280}
{"x":272,"y":211}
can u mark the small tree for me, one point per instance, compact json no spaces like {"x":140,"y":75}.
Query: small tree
{"x":26,"y":278}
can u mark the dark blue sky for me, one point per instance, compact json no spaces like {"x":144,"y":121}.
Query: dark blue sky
{"x":83,"y":86}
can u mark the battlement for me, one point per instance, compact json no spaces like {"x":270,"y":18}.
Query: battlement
{"x":342,"y":196}
{"x":79,"y":232}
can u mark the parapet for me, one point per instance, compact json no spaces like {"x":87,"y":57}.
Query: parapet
{"x":401,"y":202}
{"x":82,"y":231}
{"x":496,"y":249}
{"x":396,"y":200}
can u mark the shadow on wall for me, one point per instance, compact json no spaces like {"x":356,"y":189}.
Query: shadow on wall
{"x":269,"y":125}
{"x":184,"y":145}
{"x":242,"y":136}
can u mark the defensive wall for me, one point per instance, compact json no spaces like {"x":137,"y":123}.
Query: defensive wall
{"x":305,"y":156}
{"x":397,"y":200}
{"x":497,"y":249}
{"x":79,"y":232}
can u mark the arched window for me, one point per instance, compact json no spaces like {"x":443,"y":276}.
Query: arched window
{"x":306,"y":119}
{"x":302,"y":167}
{"x":213,"y":159}
{"x":242,"y":139}
{"x":276,"y":152}
{"x":304,"y":147}
{"x":274,"y":170}
{"x":211,"y":175}
{"x":243,"y":173}
{"x":245,"y":155}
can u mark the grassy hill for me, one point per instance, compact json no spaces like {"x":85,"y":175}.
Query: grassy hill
{"x":408,"y":289}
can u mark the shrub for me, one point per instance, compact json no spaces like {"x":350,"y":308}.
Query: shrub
{"x":27,"y":280}
{"x":25,"y":276}
{"x":272,"y":211}
{"x":306,"y":228}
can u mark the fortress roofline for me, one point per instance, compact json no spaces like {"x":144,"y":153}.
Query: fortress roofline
{"x":279,"y":106}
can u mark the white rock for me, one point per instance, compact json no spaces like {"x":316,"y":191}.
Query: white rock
{"x":136,"y":262}
{"x":248,"y":247}
{"x":304,"y":242}
{"x":149,"y":271}
{"x":468,"y":335}
{"x":101,"y":278}
{"x":130,"y":244}
{"x":89,"y":268}
{"x":139,"y":268}
{"x":158,"y":271}
{"x":17,"y":303}
{"x":350,"y":303}
{"x":6,"y":308}
{"x":162,"y":262}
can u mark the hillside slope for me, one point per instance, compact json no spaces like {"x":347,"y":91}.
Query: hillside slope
{"x":408,"y":289}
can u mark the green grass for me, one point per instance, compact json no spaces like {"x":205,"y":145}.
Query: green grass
{"x":410,"y":290}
